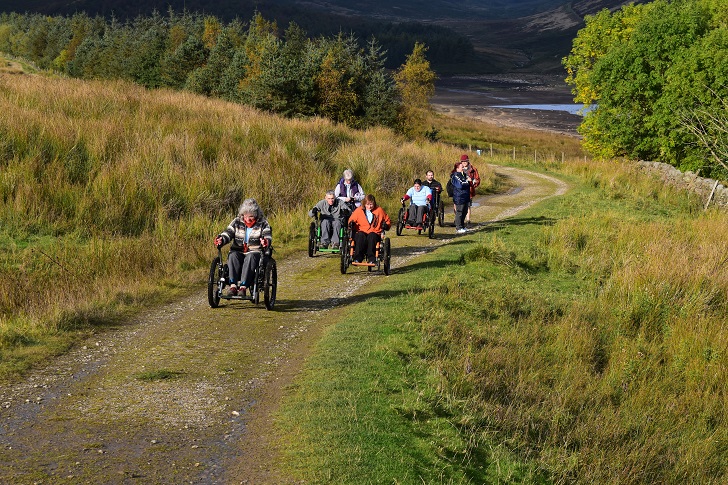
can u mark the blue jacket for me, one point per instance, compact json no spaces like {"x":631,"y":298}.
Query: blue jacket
{"x":460,"y":188}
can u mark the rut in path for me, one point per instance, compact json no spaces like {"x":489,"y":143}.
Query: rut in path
{"x":184,"y":393}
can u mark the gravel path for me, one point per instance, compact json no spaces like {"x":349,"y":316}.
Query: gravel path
{"x":90,"y":416}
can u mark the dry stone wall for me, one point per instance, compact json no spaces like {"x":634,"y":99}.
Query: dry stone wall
{"x":688,"y":181}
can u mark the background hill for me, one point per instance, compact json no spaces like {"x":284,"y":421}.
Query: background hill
{"x":506,"y":35}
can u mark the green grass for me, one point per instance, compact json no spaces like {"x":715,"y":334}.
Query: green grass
{"x":582,"y":341}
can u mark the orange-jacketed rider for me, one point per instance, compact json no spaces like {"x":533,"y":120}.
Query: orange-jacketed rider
{"x":369,"y":220}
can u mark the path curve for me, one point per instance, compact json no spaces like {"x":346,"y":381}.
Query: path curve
{"x":102,"y":414}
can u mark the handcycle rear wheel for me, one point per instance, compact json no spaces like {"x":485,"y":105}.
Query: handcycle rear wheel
{"x":386,"y":254}
{"x":213,"y":283}
{"x":271,"y":284}
{"x":345,"y":251}
{"x":312,"y":240}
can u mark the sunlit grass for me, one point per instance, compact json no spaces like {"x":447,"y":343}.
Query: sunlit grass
{"x":108,"y":190}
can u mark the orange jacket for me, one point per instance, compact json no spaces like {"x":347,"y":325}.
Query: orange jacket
{"x":359,"y":218}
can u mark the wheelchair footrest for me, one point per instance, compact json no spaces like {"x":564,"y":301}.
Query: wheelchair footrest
{"x":363,"y":264}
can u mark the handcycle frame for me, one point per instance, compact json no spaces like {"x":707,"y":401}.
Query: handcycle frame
{"x":314,"y":237}
{"x":383,"y":253}
{"x":439,"y":206}
{"x":427,"y":225}
{"x":265,"y":280}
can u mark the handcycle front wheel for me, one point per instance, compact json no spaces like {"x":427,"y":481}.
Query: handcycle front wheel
{"x":400,"y":221}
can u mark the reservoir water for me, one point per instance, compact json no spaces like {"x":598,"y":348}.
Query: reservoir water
{"x":575,"y":109}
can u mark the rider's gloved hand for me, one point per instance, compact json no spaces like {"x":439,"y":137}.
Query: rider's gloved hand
{"x":218,"y":241}
{"x":314,"y":211}
{"x":402,"y":200}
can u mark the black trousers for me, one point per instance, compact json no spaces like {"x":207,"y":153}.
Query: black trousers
{"x":365,"y":243}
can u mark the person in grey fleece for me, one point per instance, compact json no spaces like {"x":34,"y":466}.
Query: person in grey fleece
{"x":333,"y":213}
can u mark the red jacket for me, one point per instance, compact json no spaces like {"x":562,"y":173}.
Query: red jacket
{"x":475,"y":177}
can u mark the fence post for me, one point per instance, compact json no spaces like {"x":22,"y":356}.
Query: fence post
{"x":491,"y":150}
{"x":514,"y":153}
{"x":710,"y":197}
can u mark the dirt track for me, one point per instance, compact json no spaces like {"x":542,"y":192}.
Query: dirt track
{"x":88,"y":417}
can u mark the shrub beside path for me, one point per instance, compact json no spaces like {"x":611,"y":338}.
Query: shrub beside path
{"x":185,"y":393}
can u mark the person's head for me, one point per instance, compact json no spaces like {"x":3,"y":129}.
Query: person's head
{"x":430,"y":175}
{"x":370,"y":203}
{"x":249,"y":212}
{"x":348,"y":176}
{"x":464,"y":162}
{"x":418,"y":185}
{"x":330,"y":197}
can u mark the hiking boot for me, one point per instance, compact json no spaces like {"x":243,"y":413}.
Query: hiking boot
{"x":335,"y":246}
{"x":324,"y":246}
{"x":233,"y":290}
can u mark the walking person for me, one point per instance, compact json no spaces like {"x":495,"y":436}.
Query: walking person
{"x":471,"y":172}
{"x":461,"y":194}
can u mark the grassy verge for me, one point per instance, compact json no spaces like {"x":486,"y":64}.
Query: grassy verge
{"x":583,"y":341}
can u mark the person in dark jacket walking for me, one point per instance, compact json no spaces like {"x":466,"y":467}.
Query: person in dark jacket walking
{"x":461,"y":194}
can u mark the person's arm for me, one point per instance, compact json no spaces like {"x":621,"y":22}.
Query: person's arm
{"x":386,"y":222}
{"x":315,"y":210}
{"x":406,"y":196}
{"x":476,"y":178}
{"x":360,"y":196}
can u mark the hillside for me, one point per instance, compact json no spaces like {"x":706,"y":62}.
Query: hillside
{"x":508,"y":35}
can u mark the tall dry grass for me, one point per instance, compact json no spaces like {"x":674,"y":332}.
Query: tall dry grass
{"x":596,"y":346}
{"x":109,"y":192}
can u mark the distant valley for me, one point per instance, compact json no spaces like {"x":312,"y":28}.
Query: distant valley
{"x":521,"y":36}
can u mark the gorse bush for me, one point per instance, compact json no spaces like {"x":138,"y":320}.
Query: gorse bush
{"x":108,"y":190}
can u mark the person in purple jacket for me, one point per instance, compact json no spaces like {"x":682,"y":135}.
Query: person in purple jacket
{"x":349,"y":190}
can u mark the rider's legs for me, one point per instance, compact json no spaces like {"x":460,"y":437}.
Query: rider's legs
{"x":235,"y":265}
{"x":326,"y":231}
{"x":252,"y":259}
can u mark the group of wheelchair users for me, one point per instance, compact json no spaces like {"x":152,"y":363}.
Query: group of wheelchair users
{"x":250,"y":234}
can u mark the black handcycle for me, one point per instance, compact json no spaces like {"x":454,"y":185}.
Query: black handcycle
{"x":265,"y":281}
{"x":427,"y":225}
{"x":439,"y":205}
{"x":382,"y":253}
